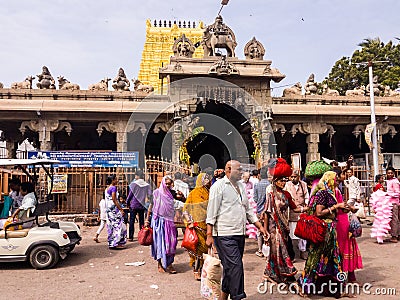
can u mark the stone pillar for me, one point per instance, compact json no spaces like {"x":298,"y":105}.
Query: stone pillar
{"x":265,"y":137}
{"x":176,"y":136}
{"x":121,"y":128}
{"x":312,"y":147}
{"x":46,"y":129}
{"x":313,"y":130}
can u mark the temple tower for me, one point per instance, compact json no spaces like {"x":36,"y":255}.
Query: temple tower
{"x":157,"y":50}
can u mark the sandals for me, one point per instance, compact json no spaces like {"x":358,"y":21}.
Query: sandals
{"x":161,"y":269}
{"x":96,"y":240}
{"x":259,"y":254}
{"x":170,"y":269}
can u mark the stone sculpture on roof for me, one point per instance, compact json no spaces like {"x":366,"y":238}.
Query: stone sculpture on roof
{"x":254,"y":50}
{"x":65,"y":84}
{"x":100,"y":86}
{"x":218,"y":35}
{"x":294,"y":90}
{"x":46,"y":81}
{"x":121,"y":83}
{"x":183,"y":47}
{"x":140,"y":87}
{"x":26,"y":84}
{"x":311,"y":86}
{"x":223,"y":67}
{"x":377,"y":87}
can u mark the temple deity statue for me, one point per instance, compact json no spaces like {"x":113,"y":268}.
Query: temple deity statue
{"x":377,"y":87}
{"x":218,"y":35}
{"x":183,"y":47}
{"x":254,"y":50}
{"x":46,"y":81}
{"x":121,"y":83}
{"x":311,"y":87}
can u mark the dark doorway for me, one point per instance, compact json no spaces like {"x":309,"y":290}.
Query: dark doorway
{"x":206,"y":144}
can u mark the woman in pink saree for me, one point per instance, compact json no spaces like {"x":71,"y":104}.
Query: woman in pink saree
{"x":348,"y":247}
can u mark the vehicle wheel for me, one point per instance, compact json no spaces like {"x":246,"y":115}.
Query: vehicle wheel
{"x":43,"y":257}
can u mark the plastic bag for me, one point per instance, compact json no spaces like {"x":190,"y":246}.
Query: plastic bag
{"x":265,"y":250}
{"x":211,"y":274}
{"x":360,"y":212}
{"x":190,"y":239}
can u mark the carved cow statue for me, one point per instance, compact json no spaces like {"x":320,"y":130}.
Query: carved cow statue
{"x":26,"y":84}
{"x":100,"y":86}
{"x":328,"y":92}
{"x":358,"y":91}
{"x":390,"y":93}
{"x":293,"y":91}
{"x":64,"y":84}
{"x":139,"y":87}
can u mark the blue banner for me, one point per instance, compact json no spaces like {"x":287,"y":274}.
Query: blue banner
{"x":71,"y":159}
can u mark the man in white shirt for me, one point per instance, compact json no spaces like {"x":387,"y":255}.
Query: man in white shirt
{"x":227,"y":212}
{"x":353,"y":186}
{"x":299,"y":192}
{"x":179,"y":185}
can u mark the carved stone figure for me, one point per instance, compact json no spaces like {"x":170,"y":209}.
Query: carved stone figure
{"x":100,"y":86}
{"x":64,"y":84}
{"x":358,"y":91}
{"x":254,"y":50}
{"x":311,"y":87}
{"x":218,"y":35}
{"x":139,"y":87}
{"x":293,"y":91}
{"x":377,"y":87}
{"x":46,"y":81}
{"x":1,"y":85}
{"x":121,"y":83}
{"x":328,"y":92}
{"x":27,"y":84}
{"x":390,"y":93}
{"x":183,"y":47}
{"x":223,"y":67}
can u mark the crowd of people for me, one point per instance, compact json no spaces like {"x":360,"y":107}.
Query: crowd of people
{"x":223,"y":205}
{"x":226,"y":206}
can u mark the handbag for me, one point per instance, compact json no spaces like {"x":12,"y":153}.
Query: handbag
{"x":190,"y":239}
{"x":145,"y":236}
{"x":311,"y":228}
{"x":355,"y":228}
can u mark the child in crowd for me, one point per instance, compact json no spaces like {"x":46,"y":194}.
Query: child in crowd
{"x":103,"y":219}
{"x":124,"y":205}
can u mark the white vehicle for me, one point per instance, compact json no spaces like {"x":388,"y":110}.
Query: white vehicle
{"x":45,"y":242}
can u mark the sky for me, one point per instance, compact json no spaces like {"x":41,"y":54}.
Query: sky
{"x":87,"y":40}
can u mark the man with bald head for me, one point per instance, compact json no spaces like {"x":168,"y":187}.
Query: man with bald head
{"x":227,"y":212}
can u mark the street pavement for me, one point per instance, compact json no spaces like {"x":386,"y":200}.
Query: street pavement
{"x":92,"y":271}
